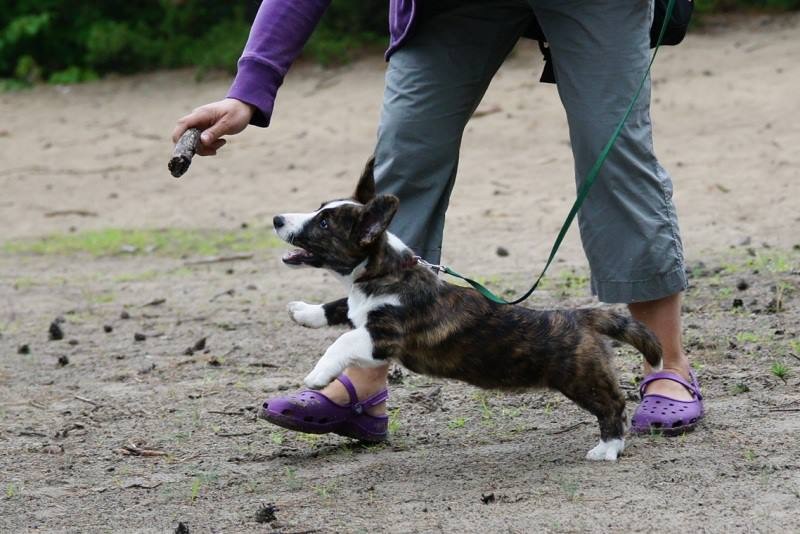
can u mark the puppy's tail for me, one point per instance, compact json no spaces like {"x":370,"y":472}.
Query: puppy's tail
{"x":626,"y":329}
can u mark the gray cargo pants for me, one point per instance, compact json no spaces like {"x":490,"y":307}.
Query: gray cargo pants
{"x":600,"y":51}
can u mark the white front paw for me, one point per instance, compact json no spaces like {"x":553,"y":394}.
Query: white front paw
{"x":317,"y":380}
{"x":309,"y":315}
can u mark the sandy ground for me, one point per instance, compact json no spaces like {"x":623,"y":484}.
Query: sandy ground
{"x":727,"y":122}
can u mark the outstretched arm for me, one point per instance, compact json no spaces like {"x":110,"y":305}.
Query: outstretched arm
{"x":277,"y":37}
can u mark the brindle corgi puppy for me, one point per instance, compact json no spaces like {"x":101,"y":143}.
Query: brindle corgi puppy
{"x":400,"y":309}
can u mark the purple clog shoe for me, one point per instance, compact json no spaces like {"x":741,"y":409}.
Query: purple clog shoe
{"x":665,"y":415}
{"x":312,"y":412}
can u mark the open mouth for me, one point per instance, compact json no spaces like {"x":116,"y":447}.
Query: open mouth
{"x":301,"y":257}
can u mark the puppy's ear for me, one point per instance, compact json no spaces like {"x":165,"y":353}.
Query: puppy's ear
{"x":375,"y":218}
{"x":365,"y":191}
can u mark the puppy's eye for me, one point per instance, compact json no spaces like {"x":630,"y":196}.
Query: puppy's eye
{"x":323,"y":223}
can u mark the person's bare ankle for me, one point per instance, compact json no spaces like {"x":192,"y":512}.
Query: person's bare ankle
{"x":367,"y":383}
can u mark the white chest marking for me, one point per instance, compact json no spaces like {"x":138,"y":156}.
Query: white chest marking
{"x":359,"y":304}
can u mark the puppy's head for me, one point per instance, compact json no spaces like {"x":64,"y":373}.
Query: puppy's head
{"x":341,"y":233}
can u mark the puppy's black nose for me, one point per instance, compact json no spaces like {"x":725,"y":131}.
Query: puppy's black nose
{"x":278,"y":221}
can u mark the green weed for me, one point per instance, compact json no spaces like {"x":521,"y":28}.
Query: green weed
{"x":780,"y":370}
{"x":483,"y":404}
{"x":459,"y":422}
{"x":311,"y":439}
{"x":394,"y":421}
{"x":794,"y":344}
{"x":11,"y":490}
{"x":740,"y":388}
{"x":747,"y":337}
{"x":194,"y":493}
{"x":291,"y":478}
{"x":276,"y":438}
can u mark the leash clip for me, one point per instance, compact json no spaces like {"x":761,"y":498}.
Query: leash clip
{"x":432,"y":266}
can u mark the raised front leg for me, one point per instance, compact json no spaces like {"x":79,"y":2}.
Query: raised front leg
{"x":319,"y":315}
{"x":352,"y":349}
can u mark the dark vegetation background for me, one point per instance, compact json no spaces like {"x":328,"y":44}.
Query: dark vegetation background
{"x":70,"y":41}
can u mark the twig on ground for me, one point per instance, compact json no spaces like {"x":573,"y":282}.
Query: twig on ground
{"x":569,"y":428}
{"x":220,"y":259}
{"x":234,"y":434}
{"x":134,"y":450}
{"x":220,"y":412}
{"x":784,"y":410}
{"x":229,"y":292}
{"x":488,"y":111}
{"x":63,"y":213}
{"x":88,"y":401}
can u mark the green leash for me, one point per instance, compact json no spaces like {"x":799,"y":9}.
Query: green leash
{"x":583,"y":192}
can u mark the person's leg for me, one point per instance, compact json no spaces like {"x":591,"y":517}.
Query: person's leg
{"x":628,"y":224}
{"x":433,"y":85}
{"x":663,"y":317}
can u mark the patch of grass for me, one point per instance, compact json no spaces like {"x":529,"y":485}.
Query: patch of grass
{"x":24,"y":282}
{"x":197,"y":485}
{"x":780,"y":370}
{"x":457,"y":423}
{"x":311,"y":439}
{"x":11,"y":490}
{"x":276,"y":438}
{"x":483,"y":403}
{"x":572,"y":282}
{"x":740,"y":388}
{"x":794,"y":344}
{"x":394,"y":421}
{"x":749,"y":455}
{"x":172,"y":242}
{"x":774,"y":261}
{"x":747,"y":337}
{"x":291,"y":478}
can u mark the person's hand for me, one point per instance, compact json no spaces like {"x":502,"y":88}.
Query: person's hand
{"x":225,"y":117}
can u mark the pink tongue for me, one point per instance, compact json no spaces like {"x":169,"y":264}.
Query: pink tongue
{"x":294,"y":254}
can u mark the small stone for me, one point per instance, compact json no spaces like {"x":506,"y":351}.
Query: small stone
{"x":124,"y":315}
{"x":182,"y":528}
{"x":487,"y":499}
{"x":107,"y":328}
{"x":395,"y":376}
{"x":138,"y":336}
{"x":63,"y":360}
{"x":502,"y":252}
{"x":738,"y":303}
{"x":213,"y":362}
{"x":200,"y":344}
{"x":73,"y":342}
{"x":266,"y":513}
{"x":55,"y":331}
{"x":24,"y":349}
{"x":742,"y":284}
{"x":229,"y":271}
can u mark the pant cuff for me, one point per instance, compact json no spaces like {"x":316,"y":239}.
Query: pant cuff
{"x":660,"y":286}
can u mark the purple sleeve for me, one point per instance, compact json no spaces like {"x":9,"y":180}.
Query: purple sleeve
{"x":279,"y":32}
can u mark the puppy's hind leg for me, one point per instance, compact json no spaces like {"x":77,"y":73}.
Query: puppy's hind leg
{"x":595,"y":388}
{"x":319,"y":315}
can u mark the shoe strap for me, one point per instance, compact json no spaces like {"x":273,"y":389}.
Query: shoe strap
{"x":358,"y":406}
{"x":693,"y":387}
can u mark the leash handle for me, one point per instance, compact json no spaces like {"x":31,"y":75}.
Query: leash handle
{"x":583,"y":191}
